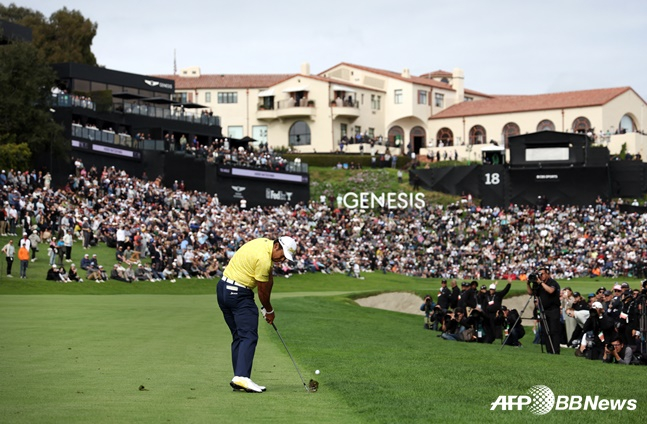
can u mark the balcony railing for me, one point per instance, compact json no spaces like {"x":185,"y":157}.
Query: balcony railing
{"x":68,"y":100}
{"x":104,"y":136}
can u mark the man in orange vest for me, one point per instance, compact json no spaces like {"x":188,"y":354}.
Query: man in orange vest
{"x":23,"y":257}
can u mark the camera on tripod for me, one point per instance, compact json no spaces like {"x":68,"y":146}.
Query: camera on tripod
{"x":533,"y":280}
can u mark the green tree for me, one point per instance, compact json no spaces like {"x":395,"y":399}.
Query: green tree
{"x":65,"y":37}
{"x":25,"y":92}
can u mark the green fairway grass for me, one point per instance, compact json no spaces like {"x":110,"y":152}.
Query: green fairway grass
{"x":82,"y":358}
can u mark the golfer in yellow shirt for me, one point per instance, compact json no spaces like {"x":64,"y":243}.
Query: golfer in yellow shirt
{"x":250,"y":267}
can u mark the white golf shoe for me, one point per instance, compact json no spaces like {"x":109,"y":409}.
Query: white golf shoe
{"x":246,"y":384}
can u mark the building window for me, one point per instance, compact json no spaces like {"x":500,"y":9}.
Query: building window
{"x":397,"y":97}
{"x":358,"y":129}
{"x":235,"y":131}
{"x":469,"y":99}
{"x":439,"y":100}
{"x":299,"y":134}
{"x":371,"y":132}
{"x":376,"y":102}
{"x":478,"y":135}
{"x":225,"y":97}
{"x":344,"y":130}
{"x":179,"y":97}
{"x":207,"y":97}
{"x":509,"y":130}
{"x":444,"y":137}
{"x":422,"y":97}
{"x":581,"y":125}
{"x":546,"y":125}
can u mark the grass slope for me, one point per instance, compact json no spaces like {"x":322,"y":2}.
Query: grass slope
{"x":82,"y":358}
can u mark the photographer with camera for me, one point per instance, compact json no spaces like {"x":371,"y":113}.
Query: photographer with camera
{"x":457,"y":327}
{"x":547,"y":291}
{"x":428,"y":308}
{"x":492,"y":303}
{"x":617,"y":353}
{"x":598,"y":329}
{"x":513,"y":326}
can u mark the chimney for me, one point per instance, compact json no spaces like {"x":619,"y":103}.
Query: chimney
{"x":406,"y":73}
{"x":305,"y":68}
{"x":458,"y":84}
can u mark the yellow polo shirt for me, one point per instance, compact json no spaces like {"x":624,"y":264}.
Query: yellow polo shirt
{"x":251,"y":263}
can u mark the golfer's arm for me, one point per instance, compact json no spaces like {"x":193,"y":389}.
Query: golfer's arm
{"x":264,"y":293}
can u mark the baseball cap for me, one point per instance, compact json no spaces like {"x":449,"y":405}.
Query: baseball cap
{"x":617,"y":287}
{"x":625,"y":285}
{"x":483,"y":287}
{"x":576,"y":294}
{"x":597,"y":305}
{"x":608,"y":292}
{"x":289,"y":246}
{"x":492,"y":286}
{"x":591,"y":295}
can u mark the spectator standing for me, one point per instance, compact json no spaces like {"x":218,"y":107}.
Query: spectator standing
{"x":34,"y":239}
{"x":9,"y":250}
{"x":68,"y":242}
{"x":23,"y":257}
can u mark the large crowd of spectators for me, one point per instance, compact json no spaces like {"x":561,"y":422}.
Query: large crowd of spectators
{"x":455,"y":241}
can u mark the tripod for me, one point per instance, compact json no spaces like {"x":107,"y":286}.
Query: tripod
{"x":523,"y":310}
{"x":642,"y":299}
{"x":542,"y":317}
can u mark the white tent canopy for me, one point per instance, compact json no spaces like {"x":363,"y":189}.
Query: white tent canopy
{"x":266,"y":93}
{"x":295,"y":89}
{"x":336,"y":87}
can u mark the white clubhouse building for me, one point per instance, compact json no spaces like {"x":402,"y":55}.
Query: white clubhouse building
{"x":430,"y":113}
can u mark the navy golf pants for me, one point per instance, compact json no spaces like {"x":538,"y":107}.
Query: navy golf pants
{"x":241,"y":315}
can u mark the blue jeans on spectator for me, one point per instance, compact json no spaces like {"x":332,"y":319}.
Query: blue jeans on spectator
{"x":23,"y":268}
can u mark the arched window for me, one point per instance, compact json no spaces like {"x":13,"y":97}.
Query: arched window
{"x":396,"y":136}
{"x":510,"y":129}
{"x":627,"y":124}
{"x":417,"y":139}
{"x":546,"y":125}
{"x":478,"y":135}
{"x":581,"y":125}
{"x":299,"y":134}
{"x":445,"y":136}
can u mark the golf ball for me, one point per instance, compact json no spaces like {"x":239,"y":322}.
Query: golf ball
{"x":317,"y":372}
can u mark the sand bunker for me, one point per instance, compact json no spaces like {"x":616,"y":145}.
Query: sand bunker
{"x":409,"y":303}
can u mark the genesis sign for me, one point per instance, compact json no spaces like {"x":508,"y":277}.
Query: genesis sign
{"x":366,"y":200}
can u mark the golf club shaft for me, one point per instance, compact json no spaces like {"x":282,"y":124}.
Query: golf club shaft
{"x":289,"y":354}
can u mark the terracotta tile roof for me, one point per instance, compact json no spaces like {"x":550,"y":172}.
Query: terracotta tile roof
{"x":227,"y":81}
{"x":246,"y":81}
{"x":510,"y":104}
{"x":438,"y":73}
{"x":340,"y":82}
{"x":397,"y":75}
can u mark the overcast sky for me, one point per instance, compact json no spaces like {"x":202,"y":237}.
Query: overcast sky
{"x":504,"y":47}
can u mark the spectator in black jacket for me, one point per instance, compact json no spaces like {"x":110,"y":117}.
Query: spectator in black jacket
{"x":512,"y":323}
{"x":493,"y":300}
{"x":598,"y":324}
{"x":444,"y":296}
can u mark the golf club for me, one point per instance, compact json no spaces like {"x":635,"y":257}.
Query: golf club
{"x":289,"y":354}
{"x":288,"y":351}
